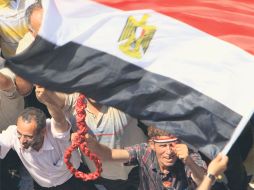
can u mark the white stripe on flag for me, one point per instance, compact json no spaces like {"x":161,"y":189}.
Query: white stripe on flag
{"x":216,"y":68}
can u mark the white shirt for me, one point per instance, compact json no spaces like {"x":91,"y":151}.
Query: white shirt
{"x":46,"y":166}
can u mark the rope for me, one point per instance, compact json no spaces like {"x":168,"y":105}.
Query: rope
{"x":80,"y":141}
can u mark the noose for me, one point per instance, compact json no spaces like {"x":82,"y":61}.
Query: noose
{"x":80,"y":141}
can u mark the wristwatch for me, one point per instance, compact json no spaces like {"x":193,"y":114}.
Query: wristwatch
{"x":211,"y":177}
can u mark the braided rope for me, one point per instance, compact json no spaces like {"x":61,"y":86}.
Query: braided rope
{"x":80,"y":141}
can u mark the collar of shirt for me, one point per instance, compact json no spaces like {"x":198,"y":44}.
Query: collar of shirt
{"x":46,"y":144}
{"x":155,"y":166}
{"x":102,"y":111}
{"x":171,"y":169}
{"x":166,"y":179}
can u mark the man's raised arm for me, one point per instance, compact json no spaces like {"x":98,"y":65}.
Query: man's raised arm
{"x":45,"y":97}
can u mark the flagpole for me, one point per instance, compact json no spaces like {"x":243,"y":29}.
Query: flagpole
{"x":237,"y":132}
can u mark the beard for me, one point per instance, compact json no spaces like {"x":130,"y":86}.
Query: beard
{"x":25,"y":145}
{"x":35,"y":144}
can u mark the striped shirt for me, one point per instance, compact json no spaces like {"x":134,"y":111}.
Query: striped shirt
{"x":12,"y":24}
{"x":112,"y":128}
{"x":151,"y":178}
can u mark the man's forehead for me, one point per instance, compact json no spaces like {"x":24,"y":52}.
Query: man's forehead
{"x":25,"y":124}
{"x":27,"y":119}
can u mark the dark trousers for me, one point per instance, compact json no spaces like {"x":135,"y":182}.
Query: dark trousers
{"x":72,"y":184}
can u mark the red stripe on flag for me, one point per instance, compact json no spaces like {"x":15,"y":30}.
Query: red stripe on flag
{"x":229,"y":20}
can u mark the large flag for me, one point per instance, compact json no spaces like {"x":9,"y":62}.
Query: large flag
{"x":187,"y":65}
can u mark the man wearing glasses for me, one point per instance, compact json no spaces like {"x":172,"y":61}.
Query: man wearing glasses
{"x":40,"y":144}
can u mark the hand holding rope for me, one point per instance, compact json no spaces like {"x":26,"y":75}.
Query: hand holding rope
{"x":80,"y":142}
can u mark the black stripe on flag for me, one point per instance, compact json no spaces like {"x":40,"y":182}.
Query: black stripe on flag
{"x":194,"y":117}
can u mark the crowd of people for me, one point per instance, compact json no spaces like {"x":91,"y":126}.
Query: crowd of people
{"x":37,"y":126}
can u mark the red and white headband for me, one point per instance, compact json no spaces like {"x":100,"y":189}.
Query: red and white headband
{"x":165,"y":140}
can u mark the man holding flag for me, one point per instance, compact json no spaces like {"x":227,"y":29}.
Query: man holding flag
{"x":156,"y":67}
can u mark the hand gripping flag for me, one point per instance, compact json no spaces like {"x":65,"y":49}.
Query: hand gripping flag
{"x":186,"y":65}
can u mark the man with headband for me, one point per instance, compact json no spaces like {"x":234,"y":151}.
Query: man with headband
{"x":165,"y":162}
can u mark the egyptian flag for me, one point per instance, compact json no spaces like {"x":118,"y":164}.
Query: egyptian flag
{"x":186,"y":65}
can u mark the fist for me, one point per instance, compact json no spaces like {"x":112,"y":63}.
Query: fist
{"x":182,"y":152}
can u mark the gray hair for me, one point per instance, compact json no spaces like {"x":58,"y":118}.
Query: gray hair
{"x":31,"y":113}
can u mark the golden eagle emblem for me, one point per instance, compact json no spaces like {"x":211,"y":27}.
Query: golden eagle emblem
{"x":136,"y":37}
